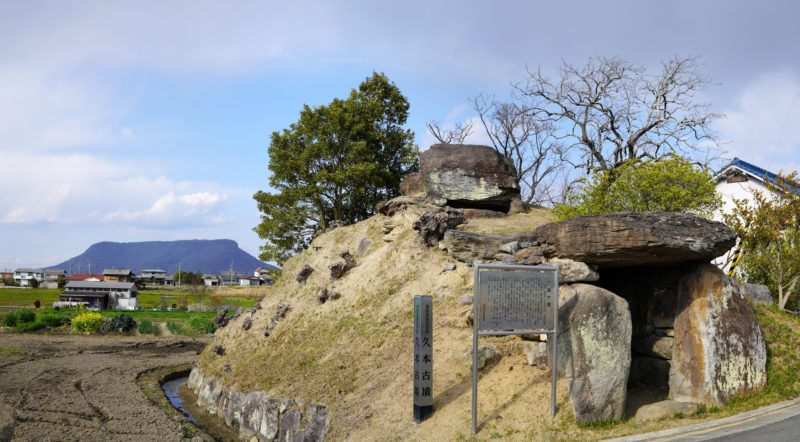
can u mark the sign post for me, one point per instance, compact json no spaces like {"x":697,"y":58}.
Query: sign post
{"x":423,"y":357}
{"x":513,"y":300}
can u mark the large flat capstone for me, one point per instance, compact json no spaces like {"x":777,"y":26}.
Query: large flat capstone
{"x":637,"y":239}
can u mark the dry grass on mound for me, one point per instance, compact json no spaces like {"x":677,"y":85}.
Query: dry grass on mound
{"x":354,"y":354}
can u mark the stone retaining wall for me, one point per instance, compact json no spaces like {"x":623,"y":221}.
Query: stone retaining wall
{"x":258,"y":415}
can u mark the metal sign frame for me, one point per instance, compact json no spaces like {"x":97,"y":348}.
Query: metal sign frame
{"x":477,"y":332}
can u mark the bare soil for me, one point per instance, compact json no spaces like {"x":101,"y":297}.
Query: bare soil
{"x":85,"y":388}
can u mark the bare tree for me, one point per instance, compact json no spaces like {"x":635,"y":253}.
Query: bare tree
{"x":530,"y":143}
{"x":613,"y":111}
{"x":456,"y":135}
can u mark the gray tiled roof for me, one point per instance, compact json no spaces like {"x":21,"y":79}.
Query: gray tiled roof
{"x":100,"y":285}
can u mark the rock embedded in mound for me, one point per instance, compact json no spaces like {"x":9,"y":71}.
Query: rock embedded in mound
{"x":433,"y":224}
{"x":719,"y":349}
{"x":636,"y":239}
{"x":468,"y":246}
{"x":340,"y":267}
{"x":463,"y":175}
{"x":304,"y":273}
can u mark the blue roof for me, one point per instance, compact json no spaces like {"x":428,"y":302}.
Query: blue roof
{"x":752,"y":169}
{"x":761,"y":174}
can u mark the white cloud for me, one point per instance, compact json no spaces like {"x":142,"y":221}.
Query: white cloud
{"x":763,"y":127}
{"x":170,"y":208}
{"x":62,"y":189}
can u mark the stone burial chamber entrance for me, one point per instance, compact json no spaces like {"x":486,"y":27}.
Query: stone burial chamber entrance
{"x":694,"y":337}
{"x":652,"y":296}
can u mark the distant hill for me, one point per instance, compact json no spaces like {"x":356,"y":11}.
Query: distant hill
{"x":207,"y":256}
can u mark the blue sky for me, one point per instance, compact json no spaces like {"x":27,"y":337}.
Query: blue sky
{"x":132,"y":121}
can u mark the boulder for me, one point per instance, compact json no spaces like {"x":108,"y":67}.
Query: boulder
{"x":594,"y":350}
{"x":719,"y":348}
{"x":401,"y":203}
{"x":468,"y":246}
{"x":412,"y":184}
{"x":304,"y":273}
{"x":536,"y":353}
{"x":487,"y":355}
{"x":363,"y":246}
{"x":756,"y":293}
{"x":342,"y":266}
{"x":461,"y":175}
{"x":637,"y":239}
{"x":573,"y":271}
{"x":663,"y":409}
{"x":433,"y":224}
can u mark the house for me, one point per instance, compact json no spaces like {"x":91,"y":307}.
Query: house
{"x":250,"y":281}
{"x":739,"y":180}
{"x":100,"y":295}
{"x":118,"y":275}
{"x":52,"y":277}
{"x":6,"y":276}
{"x":211,"y":280}
{"x":23,"y":276}
{"x":230,"y":278}
{"x":153,"y":276}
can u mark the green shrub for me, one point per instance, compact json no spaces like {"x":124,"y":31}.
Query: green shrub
{"x":25,"y":327}
{"x":669,"y":184}
{"x":202,"y":325}
{"x":9,"y":319}
{"x":145,"y":327}
{"x":26,"y":315}
{"x":88,"y":322}
{"x":122,"y":323}
{"x":175,"y":328}
{"x":53,"y":319}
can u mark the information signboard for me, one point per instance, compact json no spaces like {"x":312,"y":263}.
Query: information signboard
{"x":423,"y":357}
{"x":513,"y":299}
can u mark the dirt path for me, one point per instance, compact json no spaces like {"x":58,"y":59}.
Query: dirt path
{"x":84,"y":388}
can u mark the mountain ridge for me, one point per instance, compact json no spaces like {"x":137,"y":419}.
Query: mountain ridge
{"x":203,"y":255}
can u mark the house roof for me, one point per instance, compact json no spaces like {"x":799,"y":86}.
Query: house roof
{"x":100,"y":285}
{"x":117,"y":272}
{"x":25,"y":270}
{"x":751,"y":169}
{"x":82,"y":276}
{"x":152,"y":271}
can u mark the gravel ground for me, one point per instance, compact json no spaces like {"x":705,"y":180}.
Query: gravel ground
{"x":84,"y":388}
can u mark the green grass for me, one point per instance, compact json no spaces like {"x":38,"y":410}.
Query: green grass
{"x":176,"y":328}
{"x":146,"y":327}
{"x":148,"y":298}
{"x":24,"y":297}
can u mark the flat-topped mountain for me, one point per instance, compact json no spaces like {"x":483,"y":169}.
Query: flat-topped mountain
{"x":207,"y":256}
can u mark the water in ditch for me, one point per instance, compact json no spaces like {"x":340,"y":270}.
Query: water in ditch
{"x":172,"y":389}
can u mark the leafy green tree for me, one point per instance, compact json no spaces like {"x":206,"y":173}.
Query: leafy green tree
{"x":770,"y":237}
{"x":671,"y":183}
{"x":333,"y":166}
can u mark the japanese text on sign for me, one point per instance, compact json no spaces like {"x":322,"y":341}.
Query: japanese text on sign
{"x":515,"y":300}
